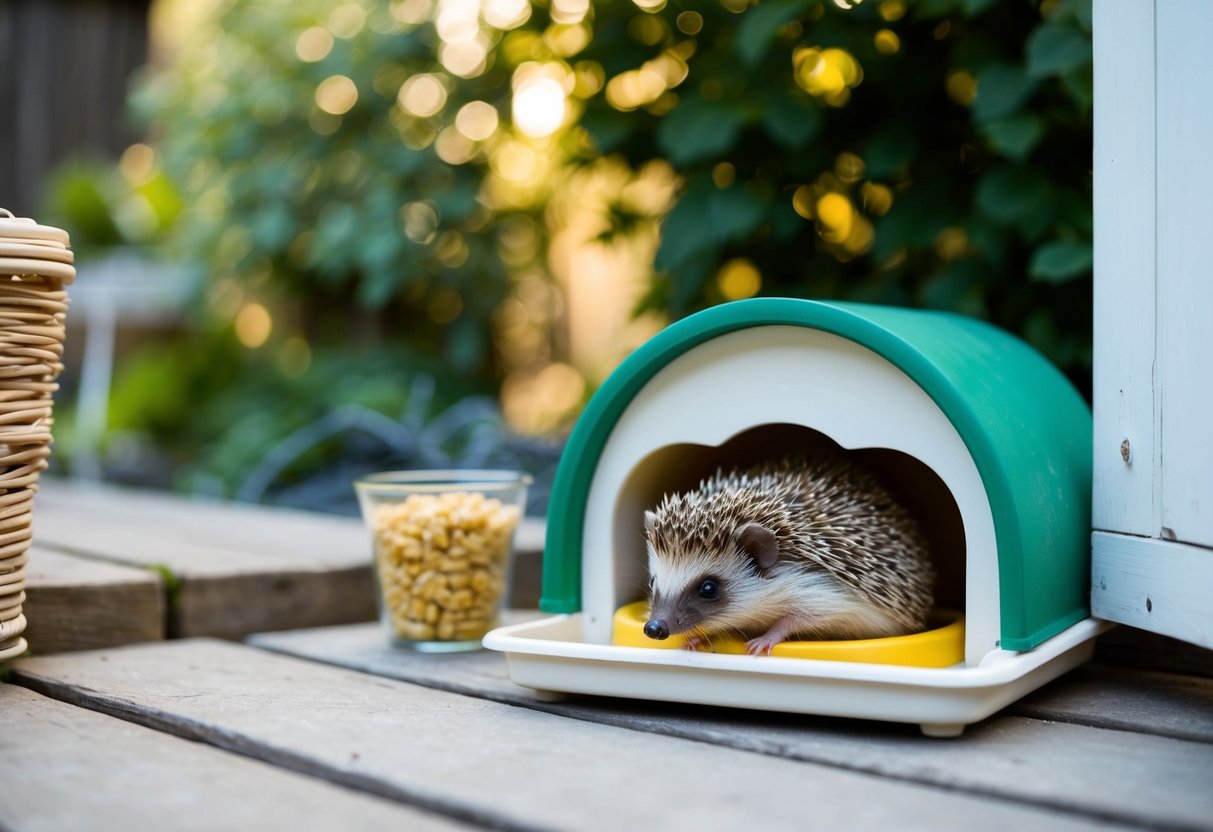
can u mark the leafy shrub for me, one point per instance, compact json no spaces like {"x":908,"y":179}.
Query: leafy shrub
{"x":933,"y":153}
{"x":930,"y":153}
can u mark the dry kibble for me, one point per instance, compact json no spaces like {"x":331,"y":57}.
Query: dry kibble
{"x":441,"y":563}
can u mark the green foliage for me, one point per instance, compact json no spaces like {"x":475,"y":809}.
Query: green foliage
{"x":102,"y":207}
{"x":930,"y":153}
{"x":353,"y":217}
{"x":977,"y":125}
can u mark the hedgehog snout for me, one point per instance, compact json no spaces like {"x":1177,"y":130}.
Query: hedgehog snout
{"x":656,"y":628}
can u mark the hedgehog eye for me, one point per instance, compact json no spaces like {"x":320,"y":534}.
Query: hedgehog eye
{"x":709,"y":589}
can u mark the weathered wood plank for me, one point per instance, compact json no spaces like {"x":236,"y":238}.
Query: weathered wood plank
{"x":1127,"y":458}
{"x":1183,"y":125}
{"x":229,"y":590}
{"x":512,"y":766}
{"x":1131,"y":777}
{"x":1156,"y":585}
{"x":324,"y":538}
{"x":195,"y":538}
{"x":298,"y":537}
{"x":1164,"y":704}
{"x":76,"y":603}
{"x":65,"y":767}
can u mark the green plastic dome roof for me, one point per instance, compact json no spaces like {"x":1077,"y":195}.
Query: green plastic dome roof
{"x":1026,"y":427}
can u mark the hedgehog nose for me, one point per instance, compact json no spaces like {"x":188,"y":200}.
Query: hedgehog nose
{"x":656,"y":628}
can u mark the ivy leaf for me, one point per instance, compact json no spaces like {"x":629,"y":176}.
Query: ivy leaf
{"x":689,"y":280}
{"x":1061,"y":261}
{"x":686,"y":230}
{"x":988,"y":240}
{"x":958,"y":287}
{"x":1053,"y":49}
{"x":934,"y":8}
{"x":1015,"y":137}
{"x":1080,"y":10}
{"x":761,"y":23}
{"x":608,"y":129}
{"x":735,"y":212}
{"x":1013,"y":194}
{"x":793,"y":126}
{"x":1001,"y":90}
{"x":888,"y":151}
{"x":697,"y":129}
{"x":972,"y":8}
{"x":1080,"y":85}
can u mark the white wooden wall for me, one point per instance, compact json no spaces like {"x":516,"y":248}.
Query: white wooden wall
{"x":1152,"y":505}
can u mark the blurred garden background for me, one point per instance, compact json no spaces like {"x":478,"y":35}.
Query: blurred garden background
{"x":317,"y":238}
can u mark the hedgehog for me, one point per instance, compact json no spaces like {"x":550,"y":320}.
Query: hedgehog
{"x":796,"y":547}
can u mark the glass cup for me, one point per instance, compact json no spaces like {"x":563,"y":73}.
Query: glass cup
{"x":442,"y":543}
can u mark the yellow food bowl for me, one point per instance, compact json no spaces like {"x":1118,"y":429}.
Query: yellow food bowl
{"x":941,"y":646}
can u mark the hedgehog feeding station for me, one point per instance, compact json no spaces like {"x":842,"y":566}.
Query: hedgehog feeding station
{"x":983,"y":439}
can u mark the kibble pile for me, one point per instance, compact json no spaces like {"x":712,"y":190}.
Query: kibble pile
{"x":441,"y":561}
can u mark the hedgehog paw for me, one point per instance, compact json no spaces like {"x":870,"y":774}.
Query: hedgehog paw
{"x":762,"y":645}
{"x":695,"y":643}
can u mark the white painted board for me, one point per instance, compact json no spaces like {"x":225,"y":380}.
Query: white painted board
{"x":1123,"y":384}
{"x":1185,"y":268}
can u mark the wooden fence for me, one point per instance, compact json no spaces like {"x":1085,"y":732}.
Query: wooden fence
{"x":64,"y":69}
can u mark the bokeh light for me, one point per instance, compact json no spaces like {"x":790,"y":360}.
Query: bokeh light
{"x":138,"y":162}
{"x":891,"y":10}
{"x":569,"y":11}
{"x":506,"y":14}
{"x":457,"y":20}
{"x":347,"y":20}
{"x":412,"y":12}
{"x":962,"y":87}
{"x":690,"y":23}
{"x":422,"y":95}
{"x":887,"y":42}
{"x":253,"y":325}
{"x":336,"y":95}
{"x":539,"y":105}
{"x":477,"y":120}
{"x":468,"y":58}
{"x":738,"y":279}
{"x":314,"y":44}
{"x":538,"y":402}
{"x":638,"y":87}
{"x":837,"y":214}
{"x":420,"y":221}
{"x":453,"y":147}
{"x":877,"y":198}
{"x":826,"y":73}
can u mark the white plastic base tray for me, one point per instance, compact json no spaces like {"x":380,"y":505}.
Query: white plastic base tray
{"x":549,"y":656}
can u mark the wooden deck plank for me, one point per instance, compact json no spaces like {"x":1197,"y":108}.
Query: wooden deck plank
{"x":64,"y":767}
{"x":276,"y":533}
{"x":321,"y":538}
{"x":1153,"y":780}
{"x":1165,"y":704}
{"x":76,"y":603}
{"x":218,"y":590}
{"x":513,"y":766}
{"x":237,"y":568}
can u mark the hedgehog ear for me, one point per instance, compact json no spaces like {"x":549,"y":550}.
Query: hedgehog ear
{"x":650,"y":521}
{"x":760,"y":543}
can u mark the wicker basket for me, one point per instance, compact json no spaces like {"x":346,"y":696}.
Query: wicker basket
{"x":35,"y":266}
